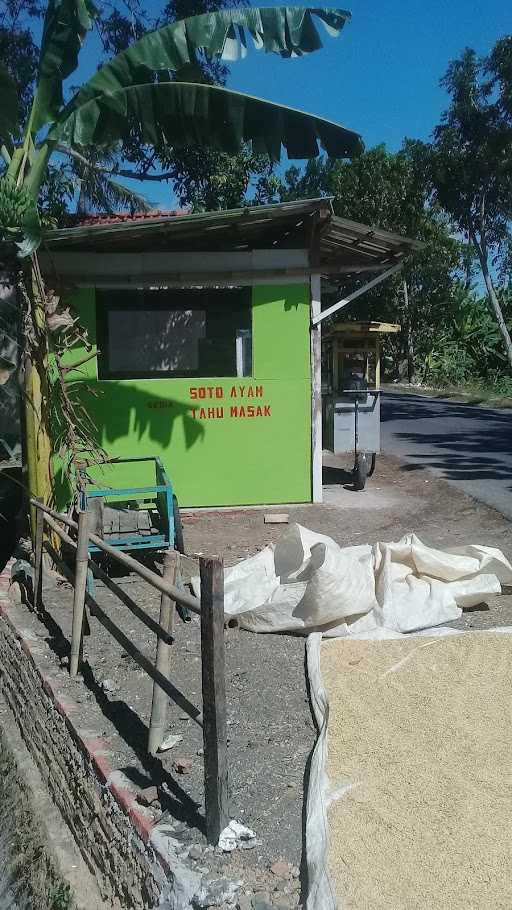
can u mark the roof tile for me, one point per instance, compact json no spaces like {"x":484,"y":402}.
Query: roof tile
{"x":121,"y":217}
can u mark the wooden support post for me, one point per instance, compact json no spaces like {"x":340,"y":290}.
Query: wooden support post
{"x":38,"y":560}
{"x":158,"y":720}
{"x":81,"y":567}
{"x":214,"y":697}
{"x":316,"y":390}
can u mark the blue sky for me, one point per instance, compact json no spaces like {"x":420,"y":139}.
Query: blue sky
{"x":380,"y":77}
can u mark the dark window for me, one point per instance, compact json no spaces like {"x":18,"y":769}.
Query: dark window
{"x":155,"y":334}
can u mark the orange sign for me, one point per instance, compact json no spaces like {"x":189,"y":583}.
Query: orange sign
{"x":234,"y":411}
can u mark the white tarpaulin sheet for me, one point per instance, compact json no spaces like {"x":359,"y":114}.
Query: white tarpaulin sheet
{"x":307,"y":583}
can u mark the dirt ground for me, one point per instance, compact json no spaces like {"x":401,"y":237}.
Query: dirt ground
{"x":271,"y":731}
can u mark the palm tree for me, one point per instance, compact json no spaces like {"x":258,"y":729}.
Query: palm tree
{"x":146,"y":87}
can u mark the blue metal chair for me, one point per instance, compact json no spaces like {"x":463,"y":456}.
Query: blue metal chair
{"x":169,"y":533}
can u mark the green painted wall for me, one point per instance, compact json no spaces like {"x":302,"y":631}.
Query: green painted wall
{"x":214,"y":460}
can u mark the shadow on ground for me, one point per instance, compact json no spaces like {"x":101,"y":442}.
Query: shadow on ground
{"x":478,"y":450}
{"x":134,"y":732}
{"x":332,"y":476}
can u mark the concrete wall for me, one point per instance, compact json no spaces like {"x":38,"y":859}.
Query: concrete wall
{"x":112,"y":833}
{"x":133,"y":856}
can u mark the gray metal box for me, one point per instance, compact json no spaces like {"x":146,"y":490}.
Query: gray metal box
{"x":339,"y":423}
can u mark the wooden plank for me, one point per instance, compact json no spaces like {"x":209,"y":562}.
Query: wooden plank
{"x":81,"y":567}
{"x":38,"y":560}
{"x":290,"y":276}
{"x":128,"y":520}
{"x":116,"y":519}
{"x":158,"y":721}
{"x":143,"y":520}
{"x":214,"y":697}
{"x":96,"y":507}
{"x":192,"y":280}
{"x":145,"y":265}
{"x":364,"y":328}
{"x":276,"y":518}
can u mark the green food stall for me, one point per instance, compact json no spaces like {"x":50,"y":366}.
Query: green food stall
{"x":206,"y":334}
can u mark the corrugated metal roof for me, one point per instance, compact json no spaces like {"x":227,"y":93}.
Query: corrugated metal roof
{"x":347,"y":243}
{"x":335,"y":244}
{"x":187,"y":224}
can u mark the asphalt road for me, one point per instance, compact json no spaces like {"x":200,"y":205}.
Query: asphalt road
{"x":470,"y":447}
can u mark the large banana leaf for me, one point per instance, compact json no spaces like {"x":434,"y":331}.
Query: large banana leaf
{"x":8,"y":107}
{"x":65,"y":26}
{"x":181,"y":113}
{"x":285,"y":30}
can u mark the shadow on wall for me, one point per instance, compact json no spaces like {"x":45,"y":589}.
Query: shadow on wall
{"x":121,"y":411}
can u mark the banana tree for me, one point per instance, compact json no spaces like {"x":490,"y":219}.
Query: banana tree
{"x":149,"y":87}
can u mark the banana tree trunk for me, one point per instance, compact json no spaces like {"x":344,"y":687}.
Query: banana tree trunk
{"x":36,"y":387}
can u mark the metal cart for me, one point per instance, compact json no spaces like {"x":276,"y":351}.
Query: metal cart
{"x":351,"y":393}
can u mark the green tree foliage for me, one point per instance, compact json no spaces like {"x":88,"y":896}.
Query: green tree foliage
{"x":213,"y":176}
{"x":392,"y":191}
{"x":144,"y":91}
{"x":472,"y":160}
{"x":70,"y":181}
{"x":468,"y":348}
{"x":18,"y":52}
{"x":200,"y":177}
{"x":205,"y":178}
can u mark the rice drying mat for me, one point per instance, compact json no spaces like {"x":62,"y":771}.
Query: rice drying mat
{"x":420,"y":754}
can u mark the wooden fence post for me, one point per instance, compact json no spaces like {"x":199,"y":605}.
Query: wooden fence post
{"x":158,"y":720}
{"x":38,"y":559}
{"x":81,"y":568}
{"x":214,"y":697}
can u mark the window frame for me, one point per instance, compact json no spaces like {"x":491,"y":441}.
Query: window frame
{"x":132,"y":299}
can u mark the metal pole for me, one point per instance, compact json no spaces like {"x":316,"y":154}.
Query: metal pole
{"x":81,"y":568}
{"x":355,"y":294}
{"x":158,"y":720}
{"x":214,"y":697}
{"x":38,"y":559}
{"x":356,"y":429}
